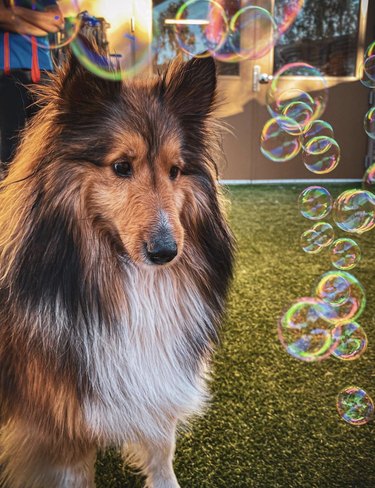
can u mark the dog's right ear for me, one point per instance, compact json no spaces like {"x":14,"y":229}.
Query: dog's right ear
{"x":78,"y":85}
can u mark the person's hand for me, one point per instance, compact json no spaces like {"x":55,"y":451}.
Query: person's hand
{"x":50,"y":20}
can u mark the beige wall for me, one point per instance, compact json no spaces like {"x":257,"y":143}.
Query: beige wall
{"x":347,"y":104}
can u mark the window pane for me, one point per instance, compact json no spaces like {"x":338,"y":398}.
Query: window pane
{"x":325,"y":34}
{"x":165,"y":45}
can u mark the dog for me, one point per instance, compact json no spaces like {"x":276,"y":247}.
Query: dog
{"x":115,"y":263}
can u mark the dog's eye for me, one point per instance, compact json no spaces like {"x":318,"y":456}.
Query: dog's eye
{"x":174,"y":172}
{"x":123,"y":168}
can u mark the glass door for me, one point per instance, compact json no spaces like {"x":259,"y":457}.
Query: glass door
{"x":260,"y":37}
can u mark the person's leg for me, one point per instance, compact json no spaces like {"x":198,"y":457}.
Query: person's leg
{"x":16,"y":107}
{"x":14,"y":98}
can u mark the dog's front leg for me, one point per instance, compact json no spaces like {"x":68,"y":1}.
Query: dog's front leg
{"x":155,"y":459}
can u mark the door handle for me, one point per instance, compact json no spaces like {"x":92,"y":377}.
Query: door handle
{"x":260,"y":78}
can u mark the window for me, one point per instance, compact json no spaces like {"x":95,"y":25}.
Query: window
{"x":324,"y":34}
{"x":165,"y":41}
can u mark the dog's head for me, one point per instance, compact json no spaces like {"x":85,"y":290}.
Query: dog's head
{"x":134,"y":159}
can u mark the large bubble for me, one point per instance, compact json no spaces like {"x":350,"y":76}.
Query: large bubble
{"x":297,"y":83}
{"x":355,"y":406}
{"x":354,"y":211}
{"x":201,"y":27}
{"x":345,"y":253}
{"x":304,"y":331}
{"x":348,"y":300}
{"x":321,"y":155}
{"x":351,"y":341}
{"x":276,"y":143}
{"x":315,"y":202}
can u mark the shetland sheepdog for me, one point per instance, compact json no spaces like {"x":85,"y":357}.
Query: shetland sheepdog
{"x":115,"y":261}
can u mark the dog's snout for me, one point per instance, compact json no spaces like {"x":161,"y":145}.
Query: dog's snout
{"x":161,"y":251}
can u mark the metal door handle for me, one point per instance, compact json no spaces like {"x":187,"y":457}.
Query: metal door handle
{"x":260,"y":78}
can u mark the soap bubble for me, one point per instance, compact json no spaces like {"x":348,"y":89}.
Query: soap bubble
{"x":286,"y":12}
{"x":367,"y":70}
{"x":369,"y":67}
{"x":325,"y":233}
{"x":354,"y":211}
{"x":355,"y":406}
{"x":333,"y":288}
{"x":249,"y":23}
{"x":298,"y":82}
{"x":351,"y":341}
{"x":321,"y":155}
{"x":369,"y":123}
{"x":201,"y":27}
{"x":369,"y":179}
{"x":315,"y":202}
{"x":349,"y":303}
{"x":345,"y":254}
{"x":304,"y":332}
{"x":370,"y":50}
{"x":317,"y":128}
{"x":277,"y":144}
{"x":301,"y":113}
{"x":310,"y":242}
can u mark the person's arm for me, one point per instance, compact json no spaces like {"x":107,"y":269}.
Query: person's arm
{"x":12,"y":23}
{"x":50,"y":20}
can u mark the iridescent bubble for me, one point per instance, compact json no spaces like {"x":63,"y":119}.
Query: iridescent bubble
{"x":369,"y":67}
{"x":321,"y":155}
{"x":370,"y":50}
{"x":318,"y":145}
{"x":286,"y":12}
{"x":301,"y":113}
{"x":367,"y":72}
{"x":298,"y":82}
{"x":369,"y":179}
{"x":351,"y":341}
{"x":325,"y":233}
{"x":315,"y":202}
{"x":317,"y":128}
{"x":253,"y":32}
{"x":355,"y":406}
{"x":333,"y":288}
{"x":369,"y":123}
{"x":201,"y":27}
{"x":349,"y":304}
{"x":304,"y":332}
{"x":313,"y":240}
{"x":354,"y":211}
{"x":277,"y":144}
{"x":345,"y":254}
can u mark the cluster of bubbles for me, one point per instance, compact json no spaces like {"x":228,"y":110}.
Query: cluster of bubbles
{"x":204,"y":28}
{"x":296,"y":100}
{"x":325,"y":324}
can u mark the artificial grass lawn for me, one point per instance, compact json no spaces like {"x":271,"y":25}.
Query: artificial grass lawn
{"x":273,"y":421}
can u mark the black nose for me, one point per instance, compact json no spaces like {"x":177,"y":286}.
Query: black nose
{"x":161,"y":251}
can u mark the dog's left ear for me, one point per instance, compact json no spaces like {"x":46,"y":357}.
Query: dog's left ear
{"x":78,"y":85}
{"x":190,"y":88}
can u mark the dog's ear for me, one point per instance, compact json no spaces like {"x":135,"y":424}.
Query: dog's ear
{"x":77,"y":84}
{"x":190,"y":88}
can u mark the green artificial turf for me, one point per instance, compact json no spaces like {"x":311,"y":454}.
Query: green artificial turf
{"x":273,"y":420}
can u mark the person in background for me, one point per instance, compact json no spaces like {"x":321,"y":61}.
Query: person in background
{"x":24,"y":59}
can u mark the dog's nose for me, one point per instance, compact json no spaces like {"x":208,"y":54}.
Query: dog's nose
{"x":161,"y":251}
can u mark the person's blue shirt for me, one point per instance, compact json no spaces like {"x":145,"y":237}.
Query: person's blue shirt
{"x":20,"y":45}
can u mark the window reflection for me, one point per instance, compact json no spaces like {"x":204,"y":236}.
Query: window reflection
{"x":325,"y":34}
{"x":165,"y":44}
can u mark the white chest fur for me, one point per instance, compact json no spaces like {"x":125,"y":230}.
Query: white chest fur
{"x":147,"y":375}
